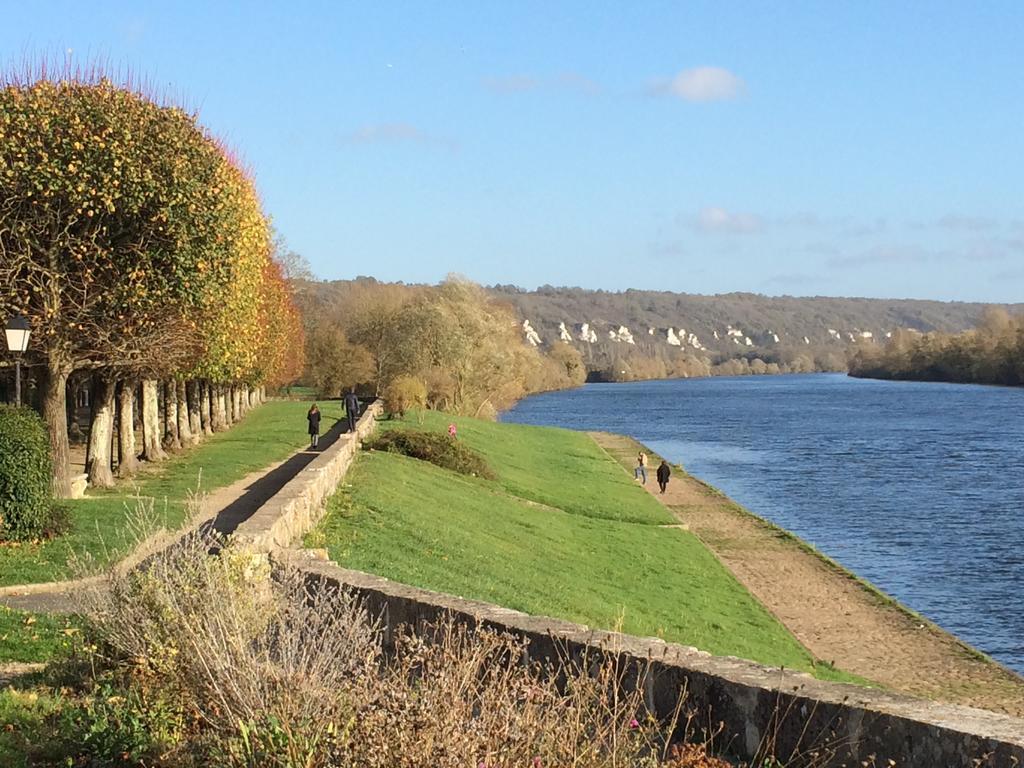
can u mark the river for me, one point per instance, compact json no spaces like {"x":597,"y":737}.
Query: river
{"x":917,"y":487}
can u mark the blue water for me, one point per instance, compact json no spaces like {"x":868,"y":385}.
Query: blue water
{"x":917,"y":487}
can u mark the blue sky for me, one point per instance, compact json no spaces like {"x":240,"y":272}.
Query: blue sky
{"x":833,"y":148}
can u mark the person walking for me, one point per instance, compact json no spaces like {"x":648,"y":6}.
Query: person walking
{"x":352,"y":409}
{"x":641,"y":467}
{"x":313,"y":417}
{"x":664,"y":473}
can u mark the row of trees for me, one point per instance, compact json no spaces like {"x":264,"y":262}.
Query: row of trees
{"x":648,"y":362}
{"x":453,"y":346}
{"x":136,"y":246}
{"x":992,"y":353}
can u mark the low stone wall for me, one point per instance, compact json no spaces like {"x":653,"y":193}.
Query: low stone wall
{"x":755,"y":704}
{"x":297,"y":507}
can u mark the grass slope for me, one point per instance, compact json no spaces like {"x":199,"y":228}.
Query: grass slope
{"x":556,"y":467}
{"x":267,"y":434}
{"x":593,"y":553}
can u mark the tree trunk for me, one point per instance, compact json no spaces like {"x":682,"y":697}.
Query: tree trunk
{"x":55,"y":414}
{"x":172,"y":440}
{"x":220,"y":416}
{"x":184,"y":428}
{"x":151,"y":448}
{"x":205,"y":409}
{"x":215,"y":420}
{"x":126,"y":429}
{"x":229,"y":406}
{"x":101,"y":427}
{"x":195,"y":419}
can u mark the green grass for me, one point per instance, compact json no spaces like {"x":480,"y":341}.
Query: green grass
{"x":267,"y":434}
{"x":590,"y":555}
{"x":30,"y":637}
{"x":555,"y":467}
{"x":23,"y":714}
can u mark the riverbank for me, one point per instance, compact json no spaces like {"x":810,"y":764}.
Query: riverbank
{"x":834,"y":613}
{"x":559,"y":532}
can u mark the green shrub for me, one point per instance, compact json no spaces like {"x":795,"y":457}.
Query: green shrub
{"x":439,"y":449}
{"x":26,"y":504}
{"x":403,"y":394}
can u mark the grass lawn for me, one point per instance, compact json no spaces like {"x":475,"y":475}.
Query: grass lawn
{"x":267,"y":434}
{"x":29,"y":637}
{"x":592,"y":551}
{"x":556,"y":467}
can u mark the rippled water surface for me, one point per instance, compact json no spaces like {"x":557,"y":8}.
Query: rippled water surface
{"x":917,"y":487}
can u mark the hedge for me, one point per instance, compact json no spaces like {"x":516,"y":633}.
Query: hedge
{"x":26,"y":503}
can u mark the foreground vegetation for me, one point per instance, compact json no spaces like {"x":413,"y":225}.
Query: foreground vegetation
{"x":203,"y":661}
{"x":992,"y":353}
{"x":562,"y":532}
{"x":100,"y":528}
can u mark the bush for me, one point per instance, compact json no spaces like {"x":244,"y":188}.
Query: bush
{"x":26,"y":503}
{"x":442,"y":450}
{"x":403,"y":394}
{"x":222,"y":665}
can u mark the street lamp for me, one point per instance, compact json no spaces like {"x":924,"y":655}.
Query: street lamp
{"x":18,"y":330}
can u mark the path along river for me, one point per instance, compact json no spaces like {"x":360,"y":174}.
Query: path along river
{"x":917,"y":487}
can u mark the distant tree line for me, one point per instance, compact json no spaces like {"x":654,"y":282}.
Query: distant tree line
{"x":614,"y":363}
{"x":450,"y":347}
{"x":992,"y":353}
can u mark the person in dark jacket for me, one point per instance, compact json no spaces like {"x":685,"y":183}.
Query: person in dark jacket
{"x":313,"y":417}
{"x":352,"y":409}
{"x":663,"y":475}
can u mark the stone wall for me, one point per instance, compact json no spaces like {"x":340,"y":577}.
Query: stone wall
{"x":297,"y":507}
{"x":799,"y":714}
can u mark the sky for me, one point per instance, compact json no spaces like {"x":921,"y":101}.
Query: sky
{"x":818,"y":148}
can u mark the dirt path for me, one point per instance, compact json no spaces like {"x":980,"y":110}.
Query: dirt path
{"x":838,"y":618}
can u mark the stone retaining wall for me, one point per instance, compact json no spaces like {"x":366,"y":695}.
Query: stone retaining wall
{"x":297,"y":507}
{"x":754,"y":703}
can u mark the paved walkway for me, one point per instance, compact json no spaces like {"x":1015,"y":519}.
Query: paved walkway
{"x":221,"y":512}
{"x":836,"y":616}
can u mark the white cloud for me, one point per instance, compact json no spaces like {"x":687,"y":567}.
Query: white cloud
{"x":703,"y":84}
{"x":380,"y":133}
{"x":720,"y":220}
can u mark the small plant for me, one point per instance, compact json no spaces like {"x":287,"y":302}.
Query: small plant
{"x":436,"y":448}
{"x":26,"y":504}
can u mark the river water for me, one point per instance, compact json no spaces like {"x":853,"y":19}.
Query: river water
{"x":917,"y":487}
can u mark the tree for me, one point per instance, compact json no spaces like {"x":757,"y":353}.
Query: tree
{"x":115,"y":223}
{"x":334,"y":364}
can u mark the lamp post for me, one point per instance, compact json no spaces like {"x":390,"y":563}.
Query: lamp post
{"x":18,"y":330}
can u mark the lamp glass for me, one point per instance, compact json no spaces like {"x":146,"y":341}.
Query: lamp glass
{"x":17,"y":331}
